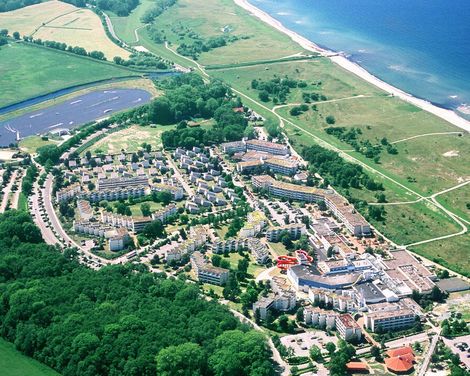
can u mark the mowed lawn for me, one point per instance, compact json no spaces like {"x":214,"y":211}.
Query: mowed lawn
{"x":28,"y":71}
{"x":61,"y":22}
{"x":130,"y":139}
{"x":13,"y":363}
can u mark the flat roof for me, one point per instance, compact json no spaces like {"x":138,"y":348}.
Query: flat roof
{"x":453,"y":284}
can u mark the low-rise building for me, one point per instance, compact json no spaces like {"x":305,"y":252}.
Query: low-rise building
{"x":85,"y":211}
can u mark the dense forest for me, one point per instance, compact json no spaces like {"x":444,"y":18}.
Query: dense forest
{"x":121,"y":320}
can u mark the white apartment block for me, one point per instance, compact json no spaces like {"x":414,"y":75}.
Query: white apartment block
{"x":111,"y":183}
{"x":68,"y":193}
{"x":117,"y":194}
{"x":268,"y":147}
{"x":392,"y":317}
{"x":295,"y":231}
{"x":207,"y":273}
{"x":135,"y":224}
{"x":320,"y":318}
{"x":163,"y":214}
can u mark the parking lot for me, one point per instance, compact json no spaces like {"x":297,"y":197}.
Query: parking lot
{"x":301,"y":343}
{"x":460,"y":346}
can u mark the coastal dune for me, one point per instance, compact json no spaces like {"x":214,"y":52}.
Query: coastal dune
{"x":448,"y":115}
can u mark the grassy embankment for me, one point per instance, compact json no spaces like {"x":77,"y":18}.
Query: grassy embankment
{"x":422,"y":166}
{"x":29,"y":71}
{"x":13,"y":363}
{"x":62,"y":22}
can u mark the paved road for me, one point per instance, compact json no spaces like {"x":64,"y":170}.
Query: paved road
{"x":74,"y":112}
{"x":177,"y":175}
{"x":7,"y":190}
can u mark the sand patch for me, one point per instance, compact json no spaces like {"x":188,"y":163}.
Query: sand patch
{"x":451,"y":153}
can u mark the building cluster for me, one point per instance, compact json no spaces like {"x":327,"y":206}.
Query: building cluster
{"x":295,"y":231}
{"x":338,"y":205}
{"x":255,"y":145}
{"x":378,"y":287}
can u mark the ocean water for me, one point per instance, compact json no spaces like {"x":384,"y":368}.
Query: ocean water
{"x":419,"y":46}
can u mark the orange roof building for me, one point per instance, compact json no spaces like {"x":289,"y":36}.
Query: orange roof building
{"x":398,"y":364}
{"x":400,"y":351}
{"x":357,"y":367}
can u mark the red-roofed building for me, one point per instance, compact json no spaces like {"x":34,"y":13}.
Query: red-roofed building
{"x":398,"y":364}
{"x":357,"y":367}
{"x":400,"y":351}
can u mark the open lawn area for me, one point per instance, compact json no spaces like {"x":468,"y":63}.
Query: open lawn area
{"x":154,"y":206}
{"x":453,"y":253}
{"x":130,"y":139}
{"x":31,"y":144}
{"x":13,"y":363}
{"x":278,"y":248}
{"x":28,"y":71}
{"x":62,"y":22}
{"x":411,"y":223}
{"x":253,"y":269}
{"x":458,"y":200}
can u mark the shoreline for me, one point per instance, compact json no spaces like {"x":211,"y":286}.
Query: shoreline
{"x":352,"y":67}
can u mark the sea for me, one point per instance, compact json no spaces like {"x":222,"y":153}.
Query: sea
{"x":419,"y":46}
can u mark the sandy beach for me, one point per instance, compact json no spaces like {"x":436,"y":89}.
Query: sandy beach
{"x":352,"y":67}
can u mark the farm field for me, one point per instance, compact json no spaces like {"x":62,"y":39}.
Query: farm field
{"x":61,"y":22}
{"x":13,"y":363}
{"x":27,"y":71}
{"x":129,"y":139}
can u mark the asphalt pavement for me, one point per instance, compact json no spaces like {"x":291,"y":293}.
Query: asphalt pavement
{"x":71,"y":113}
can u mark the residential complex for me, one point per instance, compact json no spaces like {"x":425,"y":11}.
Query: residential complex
{"x":207,"y":273}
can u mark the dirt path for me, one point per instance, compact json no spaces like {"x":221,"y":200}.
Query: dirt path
{"x":425,"y":135}
{"x":7,"y":191}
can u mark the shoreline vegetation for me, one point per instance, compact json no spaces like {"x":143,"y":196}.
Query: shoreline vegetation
{"x":448,"y":115}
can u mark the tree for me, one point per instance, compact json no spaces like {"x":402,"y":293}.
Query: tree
{"x":330,"y":119}
{"x":187,"y":359}
{"x":375,"y":352}
{"x":231,"y":290}
{"x":299,"y":316}
{"x":216,"y":260}
{"x":16,"y":35}
{"x":249,"y":132}
{"x":145,"y":209}
{"x":315,"y":353}
{"x":263,"y":96}
{"x":243,"y":267}
{"x":154,"y":230}
{"x":330,"y":347}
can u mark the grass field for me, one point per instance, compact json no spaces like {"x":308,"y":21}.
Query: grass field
{"x":458,"y":200}
{"x":136,"y":212}
{"x":453,"y":253}
{"x":13,"y":363}
{"x":129,"y":139}
{"x":27,"y":72}
{"x":62,"y":22}
{"x":31,"y":144}
{"x":125,"y":27}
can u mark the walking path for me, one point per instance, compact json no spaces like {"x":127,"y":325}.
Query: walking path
{"x":427,"y":359}
{"x":425,"y":135}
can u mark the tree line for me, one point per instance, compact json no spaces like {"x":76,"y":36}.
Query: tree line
{"x":9,"y":5}
{"x":156,"y":10}
{"x":121,"y":320}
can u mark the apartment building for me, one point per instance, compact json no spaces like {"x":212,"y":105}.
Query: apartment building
{"x":233,"y":147}
{"x":320,"y":318}
{"x":229,"y":245}
{"x":85,"y":211}
{"x":268,"y":147}
{"x":282,"y":298}
{"x":68,"y":193}
{"x":119,"y":241}
{"x":163,"y":214}
{"x":388,"y":317}
{"x":295,"y":231}
{"x":114,"y":194}
{"x":112,"y":183}
{"x":256,"y":222}
{"x":341,"y":300}
{"x":177,"y":192}
{"x":207,"y":273}
{"x":135,"y":224}
{"x":258,"y":250}
{"x":348,"y":328}
{"x":281,"y":166}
